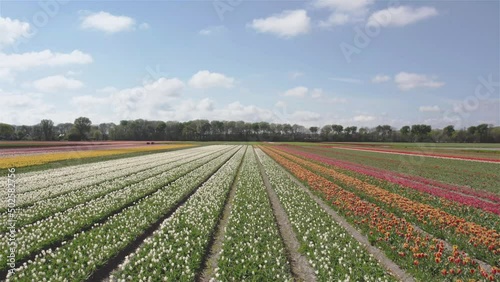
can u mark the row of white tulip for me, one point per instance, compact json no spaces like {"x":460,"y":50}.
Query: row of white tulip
{"x":332,"y":252}
{"x":34,"y":194}
{"x":79,"y":258}
{"x":252,"y":249}
{"x":33,"y":237}
{"x":175,"y":251}
{"x":50,"y":177}
{"x":48,"y":207}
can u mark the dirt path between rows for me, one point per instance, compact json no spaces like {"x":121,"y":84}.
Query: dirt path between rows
{"x":376,"y":252}
{"x":300,"y":267}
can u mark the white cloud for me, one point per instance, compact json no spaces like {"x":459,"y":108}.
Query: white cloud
{"x":88,"y":101}
{"x":407,"y":81}
{"x":363,"y":118}
{"x":305,"y":116}
{"x":249,"y":113}
{"x":429,"y":108}
{"x":23,"y":108}
{"x":144,"y":26}
{"x":145,"y":101}
{"x":336,"y":100}
{"x":381,"y":78}
{"x":287,"y":24}
{"x":343,"y":11}
{"x":401,"y":16}
{"x":347,"y":80}
{"x":295,"y":74}
{"x":280,"y":104}
{"x":44,"y":58}
{"x":336,"y":19}
{"x":6,"y":75}
{"x":207,"y":79}
{"x":343,"y":5}
{"x":73,"y":73}
{"x":206,"y":104}
{"x":104,"y":21}
{"x":299,"y":91}
{"x":57,"y":83}
{"x":317,"y":93}
{"x":11,"y":30}
{"x":149,"y":101}
{"x":213,"y":30}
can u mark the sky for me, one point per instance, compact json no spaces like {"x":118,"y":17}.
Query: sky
{"x":317,"y":62}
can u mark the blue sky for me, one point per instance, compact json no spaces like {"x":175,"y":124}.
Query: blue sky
{"x":358,"y":62}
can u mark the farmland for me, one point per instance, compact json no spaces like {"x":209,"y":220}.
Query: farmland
{"x":262,"y":212}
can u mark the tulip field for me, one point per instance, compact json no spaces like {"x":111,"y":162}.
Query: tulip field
{"x":238,"y":212}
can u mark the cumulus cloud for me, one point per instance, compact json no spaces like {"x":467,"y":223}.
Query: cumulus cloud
{"x":306,"y":116}
{"x":299,"y":91}
{"x":280,"y":104}
{"x":363,"y":118}
{"x":144,"y":26}
{"x":429,"y":108}
{"x":6,"y":75}
{"x":104,"y":21}
{"x":336,"y":19}
{"x":11,"y":30}
{"x":380,"y":78}
{"x":144,"y":101}
{"x":45,"y":58}
{"x":89,"y":101}
{"x":343,"y":5}
{"x":343,"y":11}
{"x":286,"y":24}
{"x":295,"y":74}
{"x":57,"y":83}
{"x":401,"y":16}
{"x":317,"y":93}
{"x":23,"y":108}
{"x":407,"y":81}
{"x":206,"y":79}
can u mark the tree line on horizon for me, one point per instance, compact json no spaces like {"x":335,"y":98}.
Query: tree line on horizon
{"x":203,"y":130}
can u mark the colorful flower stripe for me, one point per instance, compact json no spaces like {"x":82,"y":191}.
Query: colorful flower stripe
{"x":423,"y":154}
{"x":408,"y":181}
{"x":22,"y":161}
{"x":474,"y":234}
{"x":461,"y":189}
{"x":467,"y":212}
{"x":423,"y":256}
{"x":384,"y":161}
{"x":333,"y":253}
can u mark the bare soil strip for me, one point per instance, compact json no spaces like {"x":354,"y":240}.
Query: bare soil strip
{"x":376,"y":252}
{"x":211,"y":261}
{"x":300,"y":267}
